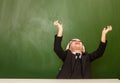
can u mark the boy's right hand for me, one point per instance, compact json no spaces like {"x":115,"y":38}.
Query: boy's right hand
{"x":58,"y":25}
{"x":60,"y":28}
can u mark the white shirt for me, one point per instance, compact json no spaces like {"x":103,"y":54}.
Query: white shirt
{"x":77,"y":56}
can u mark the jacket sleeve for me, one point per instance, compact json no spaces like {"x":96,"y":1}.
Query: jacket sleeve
{"x":99,"y":52}
{"x":58,"y":48}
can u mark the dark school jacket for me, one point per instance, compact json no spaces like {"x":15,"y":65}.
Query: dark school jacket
{"x":76,"y":68}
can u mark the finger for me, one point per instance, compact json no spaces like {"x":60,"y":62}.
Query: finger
{"x":104,"y":28}
{"x":54,"y":23}
{"x":107,"y":26}
{"x":110,"y":28}
{"x":57,"y":21}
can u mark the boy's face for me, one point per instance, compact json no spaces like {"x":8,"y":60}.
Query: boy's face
{"x":76,"y":45}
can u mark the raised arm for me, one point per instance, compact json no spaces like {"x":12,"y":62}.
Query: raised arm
{"x":100,"y":50}
{"x":60,"y":28}
{"x":104,"y":33}
{"x":57,"y":42}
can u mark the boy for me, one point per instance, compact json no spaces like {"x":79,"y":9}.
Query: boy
{"x":76,"y":62}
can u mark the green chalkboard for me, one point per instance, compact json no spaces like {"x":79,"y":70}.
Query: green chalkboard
{"x":27,"y":35}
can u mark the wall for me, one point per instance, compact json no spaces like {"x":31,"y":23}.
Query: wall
{"x":27,"y":35}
